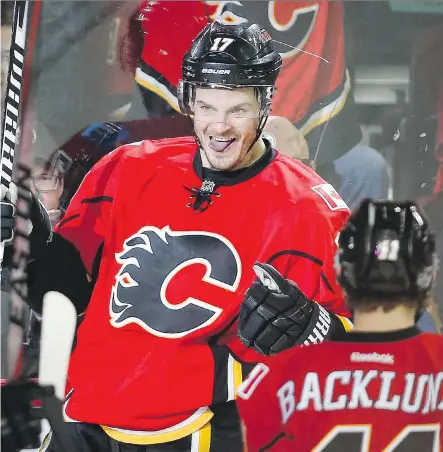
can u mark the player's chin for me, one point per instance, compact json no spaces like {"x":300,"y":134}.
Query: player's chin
{"x":224,"y":162}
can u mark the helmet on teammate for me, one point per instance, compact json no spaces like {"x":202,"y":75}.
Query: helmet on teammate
{"x":82,"y":151}
{"x":387,"y":251}
{"x":230,"y":56}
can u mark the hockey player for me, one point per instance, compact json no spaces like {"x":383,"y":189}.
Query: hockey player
{"x":378,"y":387}
{"x":164,"y":235}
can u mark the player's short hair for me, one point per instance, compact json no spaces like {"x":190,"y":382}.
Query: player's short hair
{"x":370,"y":304}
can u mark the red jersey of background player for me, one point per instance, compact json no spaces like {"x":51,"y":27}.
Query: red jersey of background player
{"x":383,"y":394}
{"x":147,"y":364}
{"x":313,"y":86}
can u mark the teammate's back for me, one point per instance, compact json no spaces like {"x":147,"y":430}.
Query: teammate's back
{"x":383,"y":394}
{"x":378,"y":387}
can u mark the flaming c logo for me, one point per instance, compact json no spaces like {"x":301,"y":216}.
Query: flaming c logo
{"x":149,"y":261}
{"x":294,"y":21}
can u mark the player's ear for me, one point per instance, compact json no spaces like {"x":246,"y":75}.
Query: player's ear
{"x":270,"y":277}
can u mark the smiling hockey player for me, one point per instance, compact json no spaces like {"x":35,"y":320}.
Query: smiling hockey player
{"x":168,"y":232}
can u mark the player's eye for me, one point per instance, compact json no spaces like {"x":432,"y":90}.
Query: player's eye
{"x":206,"y":110}
{"x":239,"y":111}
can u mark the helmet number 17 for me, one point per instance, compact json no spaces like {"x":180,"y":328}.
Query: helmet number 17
{"x":221,"y":44}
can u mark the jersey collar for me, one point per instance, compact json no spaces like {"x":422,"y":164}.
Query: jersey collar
{"x":391,"y":336}
{"x":237,"y":176}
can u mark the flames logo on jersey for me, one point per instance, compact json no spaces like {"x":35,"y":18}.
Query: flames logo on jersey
{"x":291,"y":23}
{"x":150,"y":260}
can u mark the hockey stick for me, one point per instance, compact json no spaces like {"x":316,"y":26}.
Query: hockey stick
{"x":24,"y":36}
{"x":57,"y":334}
{"x":13,"y":93}
{"x":60,"y":316}
{"x":59,"y":313}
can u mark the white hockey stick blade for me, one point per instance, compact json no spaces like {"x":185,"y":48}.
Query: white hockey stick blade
{"x":58,"y":327}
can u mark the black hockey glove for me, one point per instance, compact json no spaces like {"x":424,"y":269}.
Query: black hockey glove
{"x":40,"y":231}
{"x":21,"y":427}
{"x":275,"y":314}
{"x":21,"y":419}
{"x":7,"y":217}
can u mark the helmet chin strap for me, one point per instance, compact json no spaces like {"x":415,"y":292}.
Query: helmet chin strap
{"x":261,"y":126}
{"x":200,"y":147}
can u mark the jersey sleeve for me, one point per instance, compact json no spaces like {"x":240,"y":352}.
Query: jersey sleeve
{"x":309,"y":259}
{"x":257,"y":391}
{"x":87,"y":216}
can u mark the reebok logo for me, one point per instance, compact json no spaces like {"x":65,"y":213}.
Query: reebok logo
{"x":372,"y":358}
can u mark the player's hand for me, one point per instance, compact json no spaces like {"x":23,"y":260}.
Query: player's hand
{"x":21,"y":427}
{"x":21,"y":419}
{"x":7,"y":215}
{"x":275,"y":314}
{"x":7,"y":220}
{"x":39,"y":225}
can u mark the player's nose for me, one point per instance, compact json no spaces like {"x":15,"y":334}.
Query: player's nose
{"x":220,"y":127}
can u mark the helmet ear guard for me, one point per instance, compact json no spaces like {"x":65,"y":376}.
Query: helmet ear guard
{"x":183,"y":98}
{"x":266,"y":95}
{"x":427,"y":258}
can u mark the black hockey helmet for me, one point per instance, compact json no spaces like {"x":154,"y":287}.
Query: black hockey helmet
{"x":230,"y":56}
{"x":82,"y":151}
{"x":387,"y":250}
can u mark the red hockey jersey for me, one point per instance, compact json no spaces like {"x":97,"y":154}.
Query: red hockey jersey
{"x":383,"y":394}
{"x":170,"y":280}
